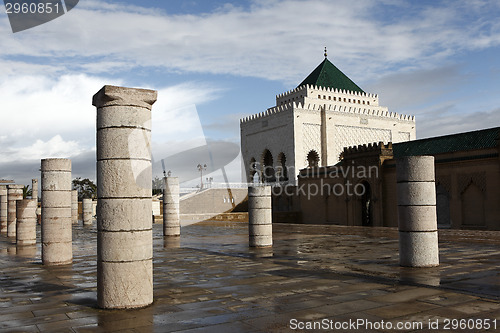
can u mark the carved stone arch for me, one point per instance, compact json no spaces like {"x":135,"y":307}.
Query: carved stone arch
{"x":312,"y":159}
{"x":267,"y":165}
{"x":282,"y":171}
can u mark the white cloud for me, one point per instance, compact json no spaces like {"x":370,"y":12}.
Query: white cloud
{"x":44,"y":92}
{"x":36,"y":107}
{"x":46,"y":117}
{"x":443,"y":122}
{"x":411,"y":89}
{"x":274,"y":40}
{"x":56,"y":147}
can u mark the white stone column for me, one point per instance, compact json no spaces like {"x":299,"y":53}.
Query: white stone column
{"x":34,"y":195}
{"x":87,"y":211}
{"x":14,"y":192}
{"x":56,"y":212}
{"x":26,"y":222}
{"x":3,"y":209}
{"x":171,"y":220}
{"x":260,"y":217}
{"x":74,"y":206}
{"x":124,"y":204}
{"x":34,"y":189}
{"x":418,"y":235}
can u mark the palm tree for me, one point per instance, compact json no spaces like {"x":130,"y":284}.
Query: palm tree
{"x":27,"y":192}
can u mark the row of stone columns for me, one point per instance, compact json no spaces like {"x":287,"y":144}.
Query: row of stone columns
{"x":124,"y":200}
{"x":14,"y":193}
{"x":260,"y":228}
{"x":124,"y":225}
{"x":124,"y":240}
{"x":19,"y":216}
{"x":15,"y":211}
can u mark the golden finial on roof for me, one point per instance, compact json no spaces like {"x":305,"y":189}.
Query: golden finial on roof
{"x":325,"y":52}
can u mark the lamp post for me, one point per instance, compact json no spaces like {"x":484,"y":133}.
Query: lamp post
{"x":200,"y":169}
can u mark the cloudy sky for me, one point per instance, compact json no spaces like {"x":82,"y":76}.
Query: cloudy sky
{"x":215,"y":61}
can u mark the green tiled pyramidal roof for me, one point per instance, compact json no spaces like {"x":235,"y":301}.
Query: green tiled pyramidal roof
{"x":481,"y":139}
{"x":326,"y":75}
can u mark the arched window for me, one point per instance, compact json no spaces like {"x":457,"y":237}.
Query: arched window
{"x":312,"y":159}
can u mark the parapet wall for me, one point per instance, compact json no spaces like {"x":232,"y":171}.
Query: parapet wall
{"x":326,"y":94}
{"x":355,"y":110}
{"x":269,"y":112}
{"x":379,"y":150}
{"x":376,"y":146}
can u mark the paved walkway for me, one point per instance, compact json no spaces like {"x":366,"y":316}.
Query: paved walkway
{"x":314,"y":275}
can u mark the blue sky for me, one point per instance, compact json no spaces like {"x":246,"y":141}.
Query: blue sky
{"x":214,"y":62}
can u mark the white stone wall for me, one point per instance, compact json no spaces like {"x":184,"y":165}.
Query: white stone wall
{"x":273,"y":132}
{"x":294,"y":128}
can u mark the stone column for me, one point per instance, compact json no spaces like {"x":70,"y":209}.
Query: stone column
{"x":260,"y":217}
{"x":26,"y":222}
{"x":34,"y":195}
{"x":74,"y":206}
{"x":87,"y":211}
{"x":56,"y":212}
{"x":124,"y":205}
{"x":418,"y":235}
{"x":3,"y":209}
{"x":14,"y":192}
{"x":34,"y":189}
{"x":171,"y":220}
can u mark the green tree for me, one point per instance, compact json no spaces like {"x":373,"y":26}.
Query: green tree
{"x":27,"y":192}
{"x":157,"y":186}
{"x":85,"y":187}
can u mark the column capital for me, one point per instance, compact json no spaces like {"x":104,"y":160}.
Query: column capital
{"x":113,"y":95}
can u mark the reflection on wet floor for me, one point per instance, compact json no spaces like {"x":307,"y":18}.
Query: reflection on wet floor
{"x":210,"y":280}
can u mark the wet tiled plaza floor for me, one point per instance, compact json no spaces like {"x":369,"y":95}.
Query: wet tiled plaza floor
{"x":211,"y":281}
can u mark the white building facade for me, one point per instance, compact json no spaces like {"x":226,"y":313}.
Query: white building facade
{"x":311,"y":124}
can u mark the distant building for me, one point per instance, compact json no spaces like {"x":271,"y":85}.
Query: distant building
{"x":311,"y":124}
{"x":467,"y":168}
